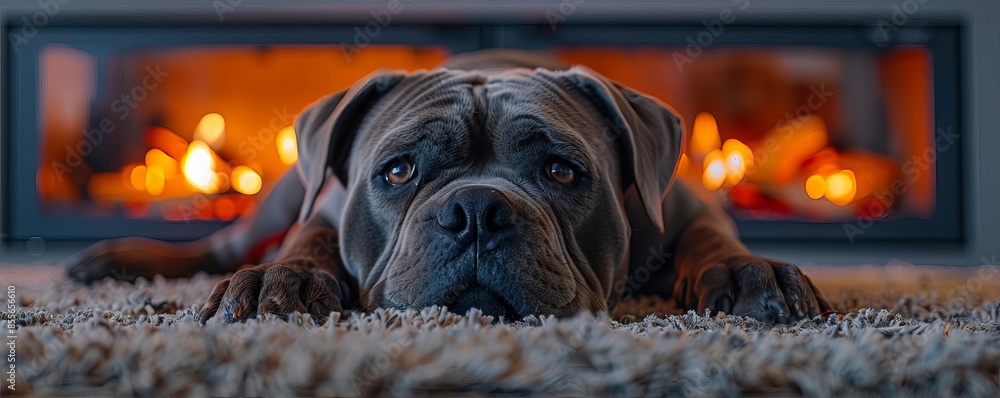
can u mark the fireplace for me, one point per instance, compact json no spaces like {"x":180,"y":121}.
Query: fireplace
{"x":817,"y":133}
{"x":187,"y":135}
{"x":171,"y":132}
{"x":808,"y":141}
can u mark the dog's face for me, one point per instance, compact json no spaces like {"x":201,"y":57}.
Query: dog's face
{"x":501,"y":192}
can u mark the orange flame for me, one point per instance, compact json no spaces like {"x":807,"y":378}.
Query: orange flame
{"x":212,"y":130}
{"x":704,"y":135}
{"x":841,"y":187}
{"x":815,"y":186}
{"x":738,"y":158}
{"x":715,"y":170}
{"x":155,"y":181}
{"x":287,"y":146}
{"x":137,"y":177}
{"x":198,"y":166}
{"x":245,"y":180}
{"x":160,"y":159}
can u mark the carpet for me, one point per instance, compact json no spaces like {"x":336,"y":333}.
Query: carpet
{"x":902,"y":330}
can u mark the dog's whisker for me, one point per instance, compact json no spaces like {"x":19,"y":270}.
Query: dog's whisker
{"x":362,"y":300}
{"x":598,"y":303}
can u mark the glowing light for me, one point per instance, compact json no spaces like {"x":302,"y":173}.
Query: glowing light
{"x":167,"y":141}
{"x":154,"y":181}
{"x":704,"y":135}
{"x":160,"y":159}
{"x":220,"y":182}
{"x":841,"y":187}
{"x":715,"y":170}
{"x":212,"y":130}
{"x":815,"y":186}
{"x":788,"y":146}
{"x":287,"y":146}
{"x":225,"y":209}
{"x":198,"y":166}
{"x":137,"y":177}
{"x":739,"y":159}
{"x":245,"y":180}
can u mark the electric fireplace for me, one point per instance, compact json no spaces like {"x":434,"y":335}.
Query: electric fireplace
{"x":817,"y":133}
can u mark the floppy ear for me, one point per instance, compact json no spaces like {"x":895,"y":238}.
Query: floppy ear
{"x":325,"y":132}
{"x":649,"y":134}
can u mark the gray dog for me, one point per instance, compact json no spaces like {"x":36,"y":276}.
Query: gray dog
{"x":502,"y":181}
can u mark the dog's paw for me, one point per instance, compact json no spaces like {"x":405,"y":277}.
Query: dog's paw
{"x":280,"y":288}
{"x":102,"y":260}
{"x":127,"y":259}
{"x":766,"y":290}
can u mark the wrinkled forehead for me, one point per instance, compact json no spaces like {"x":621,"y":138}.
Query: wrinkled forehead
{"x":529,"y":99}
{"x":455,"y":109}
{"x":426,"y":98}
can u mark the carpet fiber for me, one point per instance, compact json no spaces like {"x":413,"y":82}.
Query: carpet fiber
{"x":903,"y":330}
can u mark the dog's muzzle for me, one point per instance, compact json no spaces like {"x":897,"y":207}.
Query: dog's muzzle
{"x":479,"y":219}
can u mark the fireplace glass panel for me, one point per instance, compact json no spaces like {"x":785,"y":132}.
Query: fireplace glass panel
{"x":806,"y":134}
{"x":781,"y":133}
{"x":190,"y":133}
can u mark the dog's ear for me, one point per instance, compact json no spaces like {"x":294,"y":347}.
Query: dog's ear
{"x":648,"y":133}
{"x":325,"y":132}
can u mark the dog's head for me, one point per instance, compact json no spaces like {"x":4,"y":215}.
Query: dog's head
{"x":502,"y":192}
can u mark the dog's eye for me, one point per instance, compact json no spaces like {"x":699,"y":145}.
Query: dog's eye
{"x":399,"y":173}
{"x":561,"y":172}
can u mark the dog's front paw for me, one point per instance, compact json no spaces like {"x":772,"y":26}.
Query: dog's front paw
{"x":767,"y":290}
{"x":97,"y":262}
{"x":279,"y":288}
{"x":127,"y":259}
{"x":122,"y":259}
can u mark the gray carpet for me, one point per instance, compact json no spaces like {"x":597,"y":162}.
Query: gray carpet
{"x":905,"y":330}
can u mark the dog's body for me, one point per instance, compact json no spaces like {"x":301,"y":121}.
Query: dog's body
{"x":489,"y":184}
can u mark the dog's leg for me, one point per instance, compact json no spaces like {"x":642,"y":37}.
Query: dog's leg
{"x":716,"y":271}
{"x":700,"y":260}
{"x":223,"y":251}
{"x":307,"y":277}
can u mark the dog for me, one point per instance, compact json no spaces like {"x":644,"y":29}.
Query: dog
{"x":503,"y":181}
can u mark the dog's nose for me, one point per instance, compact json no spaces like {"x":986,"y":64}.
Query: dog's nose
{"x":476,"y":213}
